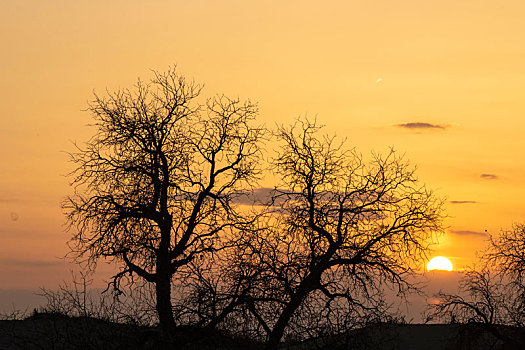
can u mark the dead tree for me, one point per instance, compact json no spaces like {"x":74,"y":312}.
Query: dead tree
{"x":154,"y":186}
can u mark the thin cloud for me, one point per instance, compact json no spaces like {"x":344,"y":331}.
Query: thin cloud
{"x":489,"y":176}
{"x":463,"y":202}
{"x":259,"y":196}
{"x":468,"y":233}
{"x":273,"y":196}
{"x":30,"y":263}
{"x":18,"y":231}
{"x":421,"y":126}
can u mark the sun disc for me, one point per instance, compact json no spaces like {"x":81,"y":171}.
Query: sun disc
{"x":439,"y":263}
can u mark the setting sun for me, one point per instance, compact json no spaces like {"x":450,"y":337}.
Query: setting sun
{"x":439,"y":263}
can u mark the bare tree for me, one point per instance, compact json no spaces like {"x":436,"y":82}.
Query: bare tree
{"x":480,"y":300}
{"x":135,"y":305}
{"x":494,"y":295}
{"x":154,"y":186}
{"x":506,"y":256}
{"x":487,"y":301}
{"x":506,"y":252}
{"x":339,"y":230}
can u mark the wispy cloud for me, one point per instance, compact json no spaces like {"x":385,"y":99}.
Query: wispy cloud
{"x":259,"y":196}
{"x":421,"y":126}
{"x":30,"y":263}
{"x":468,"y":233}
{"x":463,"y":202}
{"x":23,"y":231}
{"x":489,"y":176}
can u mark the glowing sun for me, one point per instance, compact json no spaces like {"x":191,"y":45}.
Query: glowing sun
{"x":439,"y":263}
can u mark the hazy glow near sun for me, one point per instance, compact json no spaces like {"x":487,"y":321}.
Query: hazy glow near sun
{"x":439,"y":263}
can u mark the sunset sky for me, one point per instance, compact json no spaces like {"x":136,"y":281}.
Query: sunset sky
{"x":442,"y":82}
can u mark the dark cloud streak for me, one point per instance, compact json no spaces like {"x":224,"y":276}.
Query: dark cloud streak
{"x":489,"y":176}
{"x":463,"y":202}
{"x":421,"y":126}
{"x":257,"y":197}
{"x":468,"y":233}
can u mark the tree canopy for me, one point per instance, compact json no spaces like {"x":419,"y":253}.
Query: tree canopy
{"x":154,"y":185}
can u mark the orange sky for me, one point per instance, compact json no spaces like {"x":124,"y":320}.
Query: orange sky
{"x":362,"y":67}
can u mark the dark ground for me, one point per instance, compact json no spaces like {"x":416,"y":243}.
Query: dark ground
{"x":50,"y":331}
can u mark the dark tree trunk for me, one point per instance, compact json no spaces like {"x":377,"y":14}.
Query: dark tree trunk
{"x":274,"y":338}
{"x":308,"y":285}
{"x":165,"y":312}
{"x":163,"y":289}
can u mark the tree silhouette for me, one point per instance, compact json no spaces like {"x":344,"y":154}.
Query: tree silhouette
{"x":494,"y":295}
{"x":339,"y":230}
{"x":496,"y":292}
{"x":154,"y":186}
{"x":506,"y":252}
{"x":482,"y":302}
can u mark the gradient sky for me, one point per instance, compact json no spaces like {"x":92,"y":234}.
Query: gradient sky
{"x":441,"y":81}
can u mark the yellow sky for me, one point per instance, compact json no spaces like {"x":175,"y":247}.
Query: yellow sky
{"x":361,"y":66}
